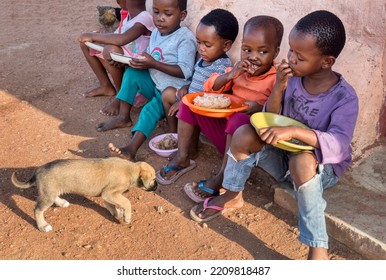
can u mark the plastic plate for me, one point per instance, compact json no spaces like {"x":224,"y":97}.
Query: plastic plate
{"x":237,"y":105}
{"x":123,"y":58}
{"x":94,"y":46}
{"x":266,"y":119}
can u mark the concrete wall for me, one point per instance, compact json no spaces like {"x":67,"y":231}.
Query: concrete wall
{"x":383,"y":114}
{"x":362,"y":62}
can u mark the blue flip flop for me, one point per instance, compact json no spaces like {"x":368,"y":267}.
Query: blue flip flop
{"x":180,"y":171}
{"x":189,"y":190}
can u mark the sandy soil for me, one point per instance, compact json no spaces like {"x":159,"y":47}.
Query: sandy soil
{"x":45,"y":117}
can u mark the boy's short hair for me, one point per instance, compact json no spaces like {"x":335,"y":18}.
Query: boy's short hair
{"x":182,"y":4}
{"x":326,"y":28}
{"x":225,"y":23}
{"x":267,"y":22}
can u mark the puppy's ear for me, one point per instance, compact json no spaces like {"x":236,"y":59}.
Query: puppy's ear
{"x":147,"y":176}
{"x":146,"y":172}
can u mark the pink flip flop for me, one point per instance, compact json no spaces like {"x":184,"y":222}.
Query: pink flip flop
{"x":220,"y":211}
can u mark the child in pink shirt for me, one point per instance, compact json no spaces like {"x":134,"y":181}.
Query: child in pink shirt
{"x":132,"y":36}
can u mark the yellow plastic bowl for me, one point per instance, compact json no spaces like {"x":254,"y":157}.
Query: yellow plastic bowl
{"x":265,"y":119}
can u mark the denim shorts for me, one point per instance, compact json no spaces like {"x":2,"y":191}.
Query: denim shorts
{"x":309,"y":196}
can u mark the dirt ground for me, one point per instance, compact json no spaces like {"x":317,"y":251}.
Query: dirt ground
{"x":45,"y":117}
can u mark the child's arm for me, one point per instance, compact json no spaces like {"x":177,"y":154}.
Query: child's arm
{"x":116,"y":39}
{"x":149,"y":62}
{"x":283,"y":73}
{"x":274,"y":134}
{"x":335,"y":140}
{"x":177,"y":100}
{"x":181,"y":92}
{"x":182,"y":67}
{"x":335,"y":132}
{"x":223,"y":82}
{"x":209,"y":83}
{"x":253,"y":107}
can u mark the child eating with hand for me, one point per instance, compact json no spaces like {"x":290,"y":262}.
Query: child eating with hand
{"x":252,"y":78}
{"x":309,"y":91}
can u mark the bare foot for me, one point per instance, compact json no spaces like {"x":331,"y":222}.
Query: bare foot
{"x":174,"y":162}
{"x":111,"y":109}
{"x":101,"y":91}
{"x":120,"y":152}
{"x":115,"y":122}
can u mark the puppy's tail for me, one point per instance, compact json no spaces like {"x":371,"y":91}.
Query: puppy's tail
{"x":22,"y":185}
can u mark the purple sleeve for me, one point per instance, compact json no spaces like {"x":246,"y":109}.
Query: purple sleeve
{"x":335,"y":141}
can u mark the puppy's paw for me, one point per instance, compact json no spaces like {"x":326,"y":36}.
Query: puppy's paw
{"x":65,"y":204}
{"x":45,"y":228}
{"x":61,"y":202}
{"x":119,"y":213}
{"x":127,"y":218}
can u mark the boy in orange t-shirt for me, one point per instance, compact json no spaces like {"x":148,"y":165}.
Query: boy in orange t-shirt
{"x":252,"y":78}
{"x":253,"y":88}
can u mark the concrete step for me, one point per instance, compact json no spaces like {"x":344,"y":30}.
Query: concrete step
{"x":355,"y":217}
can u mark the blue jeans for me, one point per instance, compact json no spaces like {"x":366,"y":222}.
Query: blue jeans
{"x":309,"y":196}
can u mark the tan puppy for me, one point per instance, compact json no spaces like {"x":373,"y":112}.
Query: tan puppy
{"x":108,"y":178}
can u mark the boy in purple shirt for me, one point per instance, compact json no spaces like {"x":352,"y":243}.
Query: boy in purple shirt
{"x":308,"y":90}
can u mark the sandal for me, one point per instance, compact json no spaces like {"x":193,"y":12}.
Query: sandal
{"x":191,"y":191}
{"x":220,"y":211}
{"x":180,"y":171}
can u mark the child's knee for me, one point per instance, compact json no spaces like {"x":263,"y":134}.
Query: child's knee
{"x":167,"y":101}
{"x":245,"y":137}
{"x":302,"y":167}
{"x":169,"y":95}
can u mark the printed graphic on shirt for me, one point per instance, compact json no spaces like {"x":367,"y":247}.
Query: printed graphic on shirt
{"x":157,"y":54}
{"x":302,"y":109}
{"x":303,"y":105}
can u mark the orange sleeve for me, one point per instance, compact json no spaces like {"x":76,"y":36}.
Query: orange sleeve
{"x":209,"y":83}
